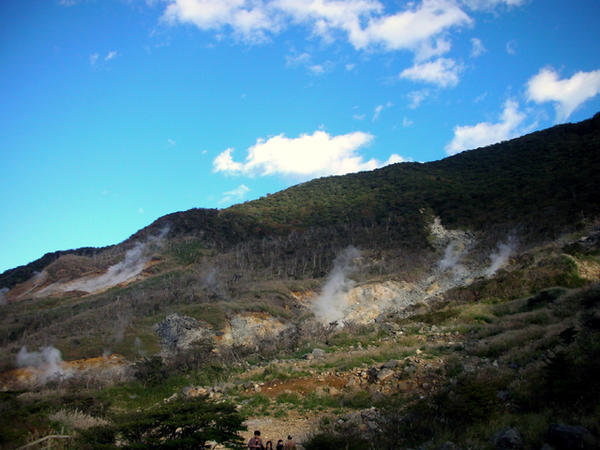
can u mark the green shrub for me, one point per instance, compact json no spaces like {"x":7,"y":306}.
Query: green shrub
{"x":186,"y":424}
{"x":150,"y":371}
{"x":334,"y":441}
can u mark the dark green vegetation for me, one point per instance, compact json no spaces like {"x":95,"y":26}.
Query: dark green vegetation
{"x":186,"y":424}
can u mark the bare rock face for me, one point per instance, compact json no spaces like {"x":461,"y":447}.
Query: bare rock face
{"x":178,"y":332}
{"x":248,"y":329}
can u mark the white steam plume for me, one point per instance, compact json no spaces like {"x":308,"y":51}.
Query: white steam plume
{"x":453,"y":253}
{"x":331,"y":304}
{"x":500,"y":257}
{"x":132,"y":265}
{"x":138,"y":345}
{"x":3,"y":292}
{"x":452,"y":256}
{"x":48,"y":360}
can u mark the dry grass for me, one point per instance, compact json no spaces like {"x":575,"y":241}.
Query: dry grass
{"x":77,"y":420}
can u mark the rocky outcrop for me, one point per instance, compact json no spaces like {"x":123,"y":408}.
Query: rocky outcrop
{"x":176,"y":333}
{"x":248,"y":329}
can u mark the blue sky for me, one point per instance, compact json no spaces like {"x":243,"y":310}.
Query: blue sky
{"x":116,"y":112}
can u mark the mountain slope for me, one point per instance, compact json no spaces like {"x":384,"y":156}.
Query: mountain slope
{"x":418,"y":303}
{"x":541,"y":184}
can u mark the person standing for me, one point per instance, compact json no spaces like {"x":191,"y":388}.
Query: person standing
{"x":290,"y":444}
{"x":279,"y":445}
{"x":255,"y":443}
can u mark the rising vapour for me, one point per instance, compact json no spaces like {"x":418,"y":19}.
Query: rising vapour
{"x":3,"y":292}
{"x":500,"y":257}
{"x":132,"y":265}
{"x":330,"y":305}
{"x":452,"y":255}
{"x":48,"y":360}
{"x":139,"y":348}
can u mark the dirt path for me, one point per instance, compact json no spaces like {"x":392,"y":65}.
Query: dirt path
{"x":272,"y":428}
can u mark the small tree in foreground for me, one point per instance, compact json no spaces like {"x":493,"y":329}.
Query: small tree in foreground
{"x":183,"y":424}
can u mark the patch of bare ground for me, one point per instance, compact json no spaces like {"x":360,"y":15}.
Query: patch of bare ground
{"x":299,"y":426}
{"x":304,"y":385}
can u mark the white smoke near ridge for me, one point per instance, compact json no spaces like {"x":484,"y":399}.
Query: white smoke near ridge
{"x":3,"y":292}
{"x":48,"y":361}
{"x":132,"y":265}
{"x":139,"y":348}
{"x":500,"y":257}
{"x":331,"y":304}
{"x":211,"y":281}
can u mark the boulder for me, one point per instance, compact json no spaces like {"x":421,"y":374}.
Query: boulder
{"x":318,"y":353}
{"x":507,"y":438}
{"x":178,"y":332}
{"x":567,"y":437}
{"x":385,"y":374}
{"x":391,"y":364}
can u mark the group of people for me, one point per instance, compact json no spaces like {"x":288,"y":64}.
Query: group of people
{"x":256,"y":443}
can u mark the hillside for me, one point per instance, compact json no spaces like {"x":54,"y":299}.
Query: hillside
{"x":542,"y":184}
{"x":432,"y":305}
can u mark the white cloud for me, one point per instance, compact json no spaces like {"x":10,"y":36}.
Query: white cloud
{"x":171,"y":142}
{"x":67,"y":2}
{"x":235,"y":195}
{"x":490,"y":4}
{"x":477,"y":48}
{"x":511,"y":47}
{"x":411,"y":28}
{"x":429,"y":49}
{"x":319,"y":69}
{"x":225,"y":163}
{"x":249,"y":19}
{"x":567,"y":94}
{"x":297,"y":59}
{"x":362,"y":22}
{"x":306,"y":156}
{"x":417,"y":97}
{"x":349,"y":67}
{"x":94,"y":57}
{"x":406,"y":122}
{"x":376,"y":113}
{"x":378,"y":109}
{"x":305,"y":59}
{"x":485,"y":133}
{"x":481,"y":97}
{"x":443,"y":72}
{"x":359,"y":116}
